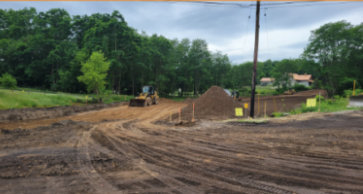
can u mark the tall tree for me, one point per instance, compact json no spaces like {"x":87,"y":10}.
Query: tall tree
{"x":94,"y":72}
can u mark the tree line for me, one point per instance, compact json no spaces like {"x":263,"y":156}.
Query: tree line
{"x":49,"y":50}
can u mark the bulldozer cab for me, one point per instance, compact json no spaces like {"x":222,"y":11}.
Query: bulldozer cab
{"x":235,"y":94}
{"x":148,"y":89}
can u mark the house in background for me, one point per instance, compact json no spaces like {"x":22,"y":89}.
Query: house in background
{"x":295,"y":78}
{"x":305,"y":80}
{"x":266,"y":81}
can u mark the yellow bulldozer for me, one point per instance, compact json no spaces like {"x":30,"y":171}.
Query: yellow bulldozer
{"x":235,"y":95}
{"x":290,"y":92}
{"x":148,"y":97}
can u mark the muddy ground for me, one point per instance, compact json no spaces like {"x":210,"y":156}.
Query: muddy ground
{"x":126,"y":150}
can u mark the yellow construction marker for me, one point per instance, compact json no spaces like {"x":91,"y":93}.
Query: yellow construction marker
{"x":239,"y":112}
{"x":310,"y":102}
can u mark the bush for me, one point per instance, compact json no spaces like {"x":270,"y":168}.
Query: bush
{"x":322,"y":99}
{"x":348,"y":93}
{"x":300,"y":87}
{"x":8,"y":81}
{"x":278,"y":91}
{"x":305,"y":109}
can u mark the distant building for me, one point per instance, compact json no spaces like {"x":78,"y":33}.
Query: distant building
{"x":305,"y":80}
{"x":265,"y":81}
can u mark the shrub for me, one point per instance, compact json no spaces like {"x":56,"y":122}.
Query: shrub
{"x":348,"y":93}
{"x":277,"y":114}
{"x":300,"y":87}
{"x":8,"y":81}
{"x":329,"y":102}
{"x":336,"y":97}
{"x":278,"y":91}
{"x":305,"y":109}
{"x":322,"y":99}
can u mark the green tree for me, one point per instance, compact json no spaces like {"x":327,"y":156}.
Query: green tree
{"x":282,"y":73}
{"x":330,"y":45}
{"x":94,"y":72}
{"x":8,"y":81}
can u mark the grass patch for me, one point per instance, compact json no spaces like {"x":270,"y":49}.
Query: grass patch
{"x":176,"y":99}
{"x":326,"y":105}
{"x":18,"y":99}
{"x":277,"y":114}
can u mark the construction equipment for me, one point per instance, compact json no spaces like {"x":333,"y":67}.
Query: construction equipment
{"x":146,"y":98}
{"x":290,"y":92}
{"x":235,"y":95}
{"x":356,"y":101}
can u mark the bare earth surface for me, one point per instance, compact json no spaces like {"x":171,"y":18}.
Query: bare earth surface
{"x":123,"y":150}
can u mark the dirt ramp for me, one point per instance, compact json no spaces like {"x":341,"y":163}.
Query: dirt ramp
{"x":213,"y":104}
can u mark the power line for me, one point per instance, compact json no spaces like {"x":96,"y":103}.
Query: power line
{"x":268,"y":5}
{"x":248,"y":24}
{"x":268,"y":44}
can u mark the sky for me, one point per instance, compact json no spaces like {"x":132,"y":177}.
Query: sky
{"x":284,"y":31}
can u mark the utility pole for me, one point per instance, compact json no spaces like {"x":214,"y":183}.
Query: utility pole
{"x":252,"y":106}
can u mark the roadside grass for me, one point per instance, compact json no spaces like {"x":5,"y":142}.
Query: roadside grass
{"x":117,"y":98}
{"x":265,"y":90}
{"x":18,"y":99}
{"x":326,"y":105}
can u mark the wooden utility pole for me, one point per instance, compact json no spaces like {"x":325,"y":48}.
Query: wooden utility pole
{"x":255,"y":60}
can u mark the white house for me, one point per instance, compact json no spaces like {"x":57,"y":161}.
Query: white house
{"x":265,"y":81}
{"x":305,"y":80}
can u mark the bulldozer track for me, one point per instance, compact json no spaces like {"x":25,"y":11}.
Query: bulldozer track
{"x":129,"y":154}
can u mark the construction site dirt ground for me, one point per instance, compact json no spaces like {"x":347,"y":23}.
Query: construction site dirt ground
{"x":136,"y":150}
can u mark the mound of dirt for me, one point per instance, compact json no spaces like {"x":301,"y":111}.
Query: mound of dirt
{"x":213,"y":104}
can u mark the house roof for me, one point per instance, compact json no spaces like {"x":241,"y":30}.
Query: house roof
{"x":306,"y":77}
{"x":267,"y":79}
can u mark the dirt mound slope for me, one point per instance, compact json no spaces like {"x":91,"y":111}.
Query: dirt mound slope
{"x":213,"y":104}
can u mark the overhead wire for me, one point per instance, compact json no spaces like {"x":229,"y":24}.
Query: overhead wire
{"x":269,"y":5}
{"x":268,"y":44}
{"x":248,"y":24}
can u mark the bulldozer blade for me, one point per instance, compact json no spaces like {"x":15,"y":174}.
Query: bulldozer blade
{"x":137,"y":102}
{"x":355,"y":101}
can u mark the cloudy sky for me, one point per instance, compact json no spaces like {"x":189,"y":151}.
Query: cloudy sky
{"x":284,"y":31}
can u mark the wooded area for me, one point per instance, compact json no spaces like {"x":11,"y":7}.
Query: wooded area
{"x":47,"y":50}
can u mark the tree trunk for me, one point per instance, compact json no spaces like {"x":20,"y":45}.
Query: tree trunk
{"x":119,"y":82}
